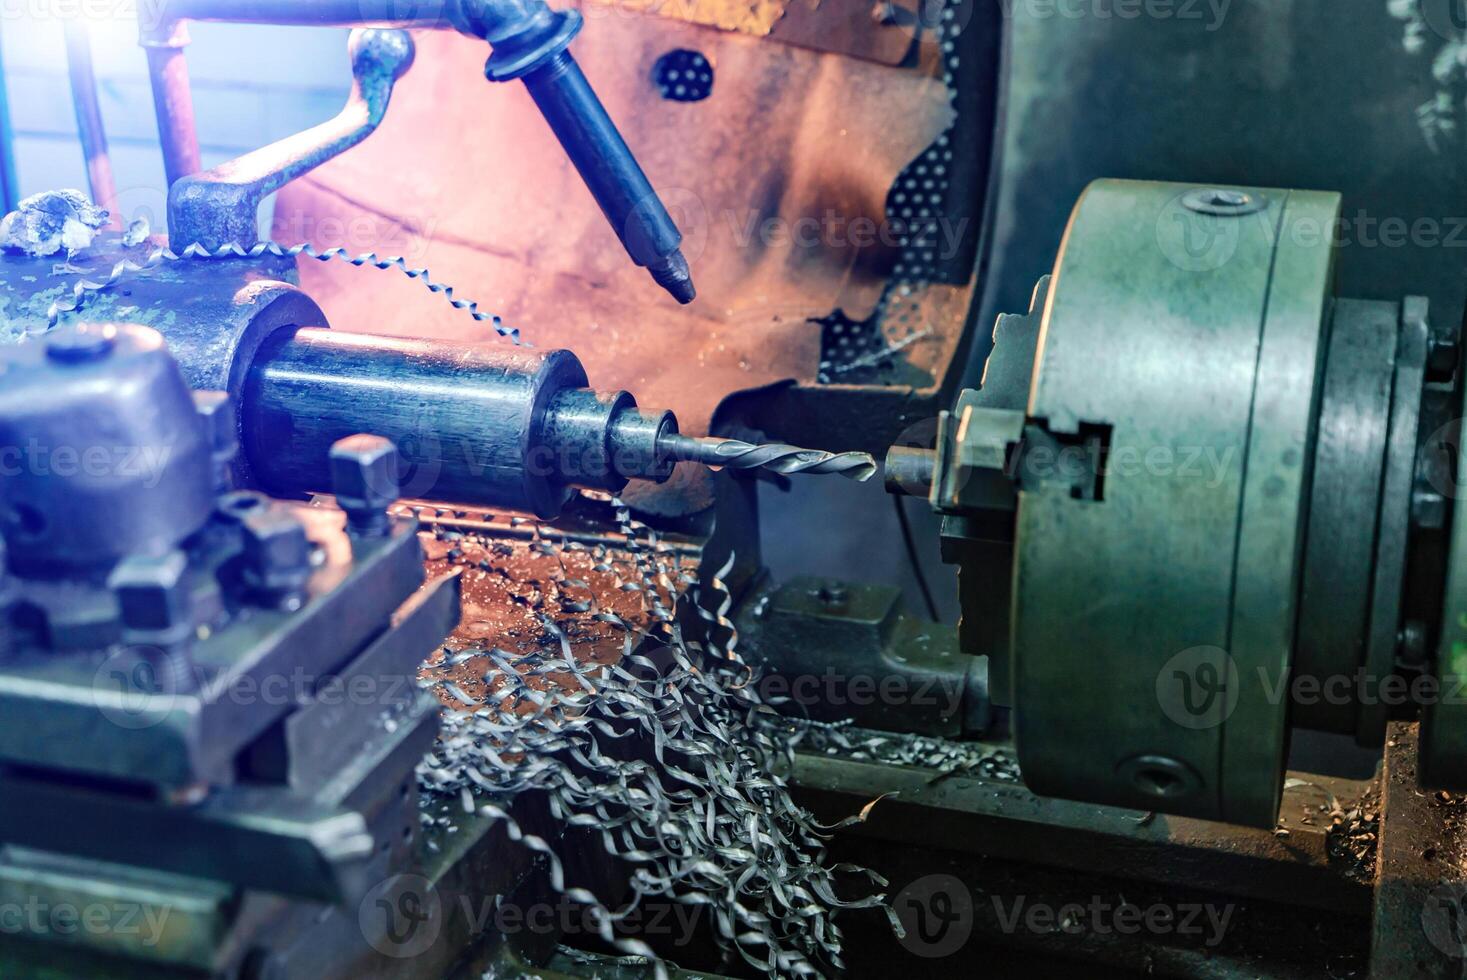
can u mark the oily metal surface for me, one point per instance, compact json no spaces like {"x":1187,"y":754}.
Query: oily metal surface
{"x":168,"y":294}
{"x":1271,"y":534}
{"x":474,"y":187}
{"x":1339,"y":572}
{"x":1180,"y":562}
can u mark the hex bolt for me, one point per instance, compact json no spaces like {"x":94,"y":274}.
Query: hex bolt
{"x":155,"y":598}
{"x":1429,"y":509}
{"x":235,"y":507}
{"x":1442,"y":358}
{"x":277,"y":557}
{"x":81,"y":344}
{"x":835,"y":598}
{"x":219,"y":418}
{"x":364,"y":476}
{"x":1411,"y":645}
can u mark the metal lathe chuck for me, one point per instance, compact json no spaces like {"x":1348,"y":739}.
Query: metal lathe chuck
{"x":1199,"y":502}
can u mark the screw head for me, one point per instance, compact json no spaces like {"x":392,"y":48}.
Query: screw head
{"x":364,"y":477}
{"x":153,"y":591}
{"x":276,"y":550}
{"x":1442,"y":359}
{"x":1429,"y":510}
{"x":82,"y":343}
{"x":217,"y":411}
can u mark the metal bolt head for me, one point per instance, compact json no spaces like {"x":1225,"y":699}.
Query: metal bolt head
{"x":1442,"y":358}
{"x":364,"y":477}
{"x":82,"y":343}
{"x":835,"y":598}
{"x":276,"y":550}
{"x":235,"y":507}
{"x":153,"y":591}
{"x":217,"y":412}
{"x":1429,"y":510}
{"x":1411,"y":644}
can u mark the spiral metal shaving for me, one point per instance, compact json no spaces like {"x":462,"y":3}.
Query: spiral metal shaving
{"x":123,"y":268}
{"x":710,"y":825}
{"x":786,"y":460}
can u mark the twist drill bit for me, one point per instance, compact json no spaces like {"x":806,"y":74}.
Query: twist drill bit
{"x":778,"y":458}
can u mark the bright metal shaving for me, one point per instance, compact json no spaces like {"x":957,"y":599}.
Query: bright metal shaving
{"x":123,"y":268}
{"x":710,"y":824}
{"x":946,"y":758}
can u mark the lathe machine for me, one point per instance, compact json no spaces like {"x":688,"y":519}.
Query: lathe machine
{"x":352,"y":628}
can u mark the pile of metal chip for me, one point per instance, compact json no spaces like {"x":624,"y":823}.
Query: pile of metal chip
{"x":570,"y":656}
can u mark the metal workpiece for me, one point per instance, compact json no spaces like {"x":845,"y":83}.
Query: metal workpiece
{"x":98,"y":426}
{"x":785,"y":460}
{"x":220,"y":206}
{"x":469,"y":420}
{"x":910,"y":471}
{"x":601,"y":440}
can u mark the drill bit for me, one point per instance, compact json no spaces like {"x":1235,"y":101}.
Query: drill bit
{"x":779,"y":458}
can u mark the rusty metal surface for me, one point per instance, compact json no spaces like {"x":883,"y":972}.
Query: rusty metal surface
{"x":985,"y":809}
{"x":849,"y":27}
{"x":464,"y":178}
{"x":515,"y":574}
{"x":157,"y":298}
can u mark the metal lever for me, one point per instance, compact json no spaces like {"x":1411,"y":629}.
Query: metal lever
{"x":530,"y":43}
{"x":220,"y":206}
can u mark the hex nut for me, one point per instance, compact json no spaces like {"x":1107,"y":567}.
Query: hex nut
{"x":217,"y":412}
{"x":153,"y":592}
{"x":277,"y":553}
{"x":365,"y":479}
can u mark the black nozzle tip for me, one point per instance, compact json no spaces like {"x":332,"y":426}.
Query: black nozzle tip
{"x":673,"y":274}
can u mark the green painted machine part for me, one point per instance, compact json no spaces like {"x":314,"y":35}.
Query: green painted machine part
{"x":1199,"y":501}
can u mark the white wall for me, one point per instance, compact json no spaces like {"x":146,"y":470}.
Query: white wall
{"x":251,"y":85}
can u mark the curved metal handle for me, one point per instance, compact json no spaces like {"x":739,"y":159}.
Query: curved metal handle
{"x":220,"y":206}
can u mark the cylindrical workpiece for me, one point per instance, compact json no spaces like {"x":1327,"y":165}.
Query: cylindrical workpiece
{"x":481,"y":424}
